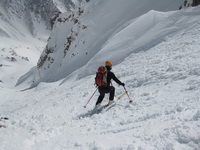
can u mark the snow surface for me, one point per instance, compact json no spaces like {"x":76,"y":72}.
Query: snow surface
{"x":162,"y":76}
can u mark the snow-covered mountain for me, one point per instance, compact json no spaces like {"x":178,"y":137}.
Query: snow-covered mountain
{"x":163,"y":82}
{"x":37,"y":10}
{"x":156,"y":54}
{"x":24,"y":29}
{"x":88,"y":31}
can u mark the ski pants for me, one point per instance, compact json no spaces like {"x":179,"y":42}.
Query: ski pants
{"x":103,"y":91}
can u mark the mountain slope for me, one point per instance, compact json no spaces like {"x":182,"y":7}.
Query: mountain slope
{"x":87,"y":30}
{"x":24,"y":30}
{"x":163,"y":81}
{"x":19,"y":49}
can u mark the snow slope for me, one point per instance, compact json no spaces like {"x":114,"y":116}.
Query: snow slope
{"x":22,"y":41}
{"x":163,"y":80}
{"x":24,"y":32}
{"x":87,"y":31}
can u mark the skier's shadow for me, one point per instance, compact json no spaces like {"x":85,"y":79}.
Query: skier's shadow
{"x":91,"y":112}
{"x":87,"y":114}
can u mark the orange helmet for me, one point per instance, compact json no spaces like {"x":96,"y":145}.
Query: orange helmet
{"x":108,"y":63}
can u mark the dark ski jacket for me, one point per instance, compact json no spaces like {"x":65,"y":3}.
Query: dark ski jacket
{"x":110,"y":76}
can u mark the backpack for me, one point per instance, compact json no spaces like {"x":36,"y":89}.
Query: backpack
{"x":101,"y":76}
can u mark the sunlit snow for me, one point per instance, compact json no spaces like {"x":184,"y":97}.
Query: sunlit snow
{"x":156,"y":55}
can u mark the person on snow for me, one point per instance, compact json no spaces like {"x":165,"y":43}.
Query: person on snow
{"x":109,"y":87}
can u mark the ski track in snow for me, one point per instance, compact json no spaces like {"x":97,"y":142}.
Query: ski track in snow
{"x":163,"y":82}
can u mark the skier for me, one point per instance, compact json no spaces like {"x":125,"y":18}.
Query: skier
{"x":109,"y":87}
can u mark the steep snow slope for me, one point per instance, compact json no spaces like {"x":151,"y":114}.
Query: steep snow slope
{"x":19,"y":49}
{"x":23,"y":37}
{"x":86,"y":32}
{"x":163,"y":81}
{"x":24,"y":32}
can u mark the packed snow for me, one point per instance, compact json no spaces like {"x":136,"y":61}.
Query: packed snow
{"x":161,"y":72}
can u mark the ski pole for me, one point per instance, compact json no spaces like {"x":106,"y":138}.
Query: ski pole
{"x":130,"y":101}
{"x":90,"y":98}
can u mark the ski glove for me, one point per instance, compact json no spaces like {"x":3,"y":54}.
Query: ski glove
{"x":123,"y":84}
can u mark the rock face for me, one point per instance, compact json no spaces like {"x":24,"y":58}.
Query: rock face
{"x":190,"y":3}
{"x":36,"y":10}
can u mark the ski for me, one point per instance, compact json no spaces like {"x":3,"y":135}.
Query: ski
{"x":93,"y":112}
{"x":107,"y":107}
{"x":122,"y":95}
{"x":118,"y":97}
